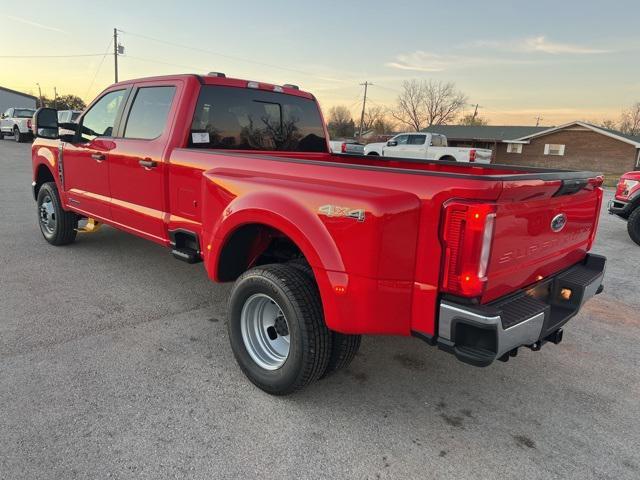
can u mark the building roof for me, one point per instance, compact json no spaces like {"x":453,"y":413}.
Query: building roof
{"x":18,"y":93}
{"x":623,"y":137}
{"x":520,"y":134}
{"x":489,"y":133}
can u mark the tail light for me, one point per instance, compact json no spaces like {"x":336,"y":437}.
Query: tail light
{"x":596,"y":220}
{"x":343,"y":147}
{"x":472,"y":155}
{"x":29,"y":124}
{"x":467,"y":236}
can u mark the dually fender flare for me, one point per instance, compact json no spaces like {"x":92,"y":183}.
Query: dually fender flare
{"x":283,"y":213}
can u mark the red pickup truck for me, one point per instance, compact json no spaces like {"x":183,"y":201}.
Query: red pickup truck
{"x":476,"y":259}
{"x":626,"y":203}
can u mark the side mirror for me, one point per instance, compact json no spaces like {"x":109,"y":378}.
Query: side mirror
{"x":392,"y":143}
{"x":45,"y":123}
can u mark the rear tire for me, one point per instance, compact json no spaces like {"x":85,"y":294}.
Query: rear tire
{"x":373,"y":153}
{"x":343,"y":350}
{"x":633,"y":225}
{"x":18,"y":137}
{"x":57,"y":225}
{"x":277,"y":330}
{"x":1,"y":135}
{"x":344,"y":347}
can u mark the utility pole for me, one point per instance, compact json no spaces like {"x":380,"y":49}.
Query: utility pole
{"x":55,"y":98}
{"x":538,"y":118}
{"x":40,"y":95}
{"x":364,"y":104}
{"x":115,"y":52}
{"x":475,"y":112}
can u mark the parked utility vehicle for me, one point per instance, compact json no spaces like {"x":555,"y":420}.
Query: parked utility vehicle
{"x":17,"y":122}
{"x":626,"y":203}
{"x":477,"y":259}
{"x":427,"y":146}
{"x":347,"y":147}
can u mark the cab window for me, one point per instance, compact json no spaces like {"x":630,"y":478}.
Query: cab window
{"x":100,"y":120}
{"x":402,"y":139}
{"x":252,"y":119}
{"x":148,"y":116}
{"x":417,"y":139}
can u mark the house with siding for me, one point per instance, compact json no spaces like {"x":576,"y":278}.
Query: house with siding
{"x":575,"y":145}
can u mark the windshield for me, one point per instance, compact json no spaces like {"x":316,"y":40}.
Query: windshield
{"x":23,"y":113}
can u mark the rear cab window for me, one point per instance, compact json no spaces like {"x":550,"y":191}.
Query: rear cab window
{"x":417,"y":139}
{"x":149,"y":111}
{"x":252,"y":119}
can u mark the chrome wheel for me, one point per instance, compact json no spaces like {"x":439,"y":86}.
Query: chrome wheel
{"x":47,"y":216}
{"x":265,"y":331}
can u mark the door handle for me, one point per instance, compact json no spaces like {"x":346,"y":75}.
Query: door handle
{"x":148,"y":163}
{"x":98,"y":156}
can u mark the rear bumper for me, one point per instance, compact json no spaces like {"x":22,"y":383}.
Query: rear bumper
{"x":480,"y":334}
{"x":618,"y":207}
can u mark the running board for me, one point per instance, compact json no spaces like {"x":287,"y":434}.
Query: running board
{"x":186,"y":255}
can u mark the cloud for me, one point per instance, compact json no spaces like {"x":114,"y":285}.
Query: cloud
{"x":541,"y":44}
{"x":421,"y":61}
{"x":534,"y":44}
{"x":35,"y":24}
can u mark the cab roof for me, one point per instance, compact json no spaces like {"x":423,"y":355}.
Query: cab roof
{"x":218,"y":79}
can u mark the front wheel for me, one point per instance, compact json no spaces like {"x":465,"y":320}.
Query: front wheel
{"x":277,"y":330}
{"x":633,"y":225}
{"x":58,"y":226}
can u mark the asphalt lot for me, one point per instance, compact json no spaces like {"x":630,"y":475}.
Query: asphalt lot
{"x":114,"y":363}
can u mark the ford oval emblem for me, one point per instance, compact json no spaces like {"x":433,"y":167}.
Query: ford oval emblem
{"x":558,"y":222}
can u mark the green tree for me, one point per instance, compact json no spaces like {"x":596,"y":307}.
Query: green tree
{"x":65,"y":102}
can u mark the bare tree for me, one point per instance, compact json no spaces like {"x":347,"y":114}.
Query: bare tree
{"x":444,"y":102}
{"x":340,"y":122}
{"x":376,"y":118}
{"x":473,"y":120}
{"x":425,"y":103}
{"x":410,"y":106}
{"x":630,"y":120}
{"x":607,"y":123}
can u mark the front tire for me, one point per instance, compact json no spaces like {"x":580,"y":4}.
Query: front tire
{"x":58,"y":226}
{"x":633,"y":225}
{"x":277,"y":330}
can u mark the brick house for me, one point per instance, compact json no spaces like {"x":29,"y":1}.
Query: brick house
{"x":575,"y":145}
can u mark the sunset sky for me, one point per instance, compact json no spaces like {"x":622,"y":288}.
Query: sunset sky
{"x":563,"y":60}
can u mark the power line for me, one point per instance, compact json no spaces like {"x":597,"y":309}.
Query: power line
{"x":53,"y":56}
{"x":98,"y":69}
{"x":163,"y":63}
{"x":231,"y":57}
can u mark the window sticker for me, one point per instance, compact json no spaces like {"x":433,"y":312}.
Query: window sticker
{"x":200,"y":137}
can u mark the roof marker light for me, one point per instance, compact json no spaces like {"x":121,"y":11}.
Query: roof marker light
{"x":253,"y":85}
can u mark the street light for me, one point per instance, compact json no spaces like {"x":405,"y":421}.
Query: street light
{"x":40,"y":95}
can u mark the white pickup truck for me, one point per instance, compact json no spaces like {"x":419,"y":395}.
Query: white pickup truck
{"x":17,"y":122}
{"x":427,"y":146}
{"x":348,"y":147}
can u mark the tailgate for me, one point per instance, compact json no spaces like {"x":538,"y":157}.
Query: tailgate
{"x":540,"y":229}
